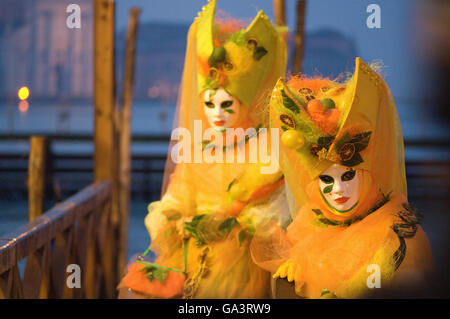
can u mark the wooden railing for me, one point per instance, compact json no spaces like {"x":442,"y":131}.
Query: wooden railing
{"x":76,"y":231}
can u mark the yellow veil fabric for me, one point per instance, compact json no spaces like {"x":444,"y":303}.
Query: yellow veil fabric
{"x":325,"y":252}
{"x":263,"y":72}
{"x":217,"y":262}
{"x":366,"y":105}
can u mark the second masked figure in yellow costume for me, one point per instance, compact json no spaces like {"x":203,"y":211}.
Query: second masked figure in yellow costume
{"x":353,"y":232}
{"x":202,"y":226}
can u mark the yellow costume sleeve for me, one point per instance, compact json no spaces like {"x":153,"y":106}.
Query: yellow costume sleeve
{"x":177,"y":202}
{"x":272,"y":208}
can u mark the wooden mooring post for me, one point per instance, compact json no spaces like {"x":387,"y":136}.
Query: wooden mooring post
{"x":112,"y":133}
{"x":36,"y":176}
{"x":125,"y":131}
{"x":279,"y":9}
{"x":297,"y":61}
{"x":106,"y":159}
{"x":36,"y":278}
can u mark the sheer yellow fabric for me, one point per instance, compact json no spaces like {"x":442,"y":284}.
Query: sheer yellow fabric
{"x":251,"y":54}
{"x":197,"y":189}
{"x":366,"y":105}
{"x":326,"y":252}
{"x":337,"y":258}
{"x":218,"y":262}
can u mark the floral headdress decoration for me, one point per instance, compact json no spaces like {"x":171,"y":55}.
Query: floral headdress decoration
{"x":239,"y":61}
{"x":326,"y":122}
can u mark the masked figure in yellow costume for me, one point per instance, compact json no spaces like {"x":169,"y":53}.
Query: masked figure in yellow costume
{"x":343,"y":160}
{"x":202,"y":226}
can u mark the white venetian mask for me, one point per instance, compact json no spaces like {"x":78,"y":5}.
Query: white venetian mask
{"x":339,"y":187}
{"x":221,"y":109}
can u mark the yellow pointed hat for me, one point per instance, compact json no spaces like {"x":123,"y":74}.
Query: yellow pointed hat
{"x":353,"y":124}
{"x":242,"y":61}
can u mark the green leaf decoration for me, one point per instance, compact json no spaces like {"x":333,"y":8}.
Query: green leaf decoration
{"x":241,"y":237}
{"x":289,"y":103}
{"x":228,"y":225}
{"x":316,"y":222}
{"x":343,"y":140}
{"x":362,"y":136}
{"x":195,"y":220}
{"x":327,"y":294}
{"x":327,"y":221}
{"x":284,"y":128}
{"x":324,"y":291}
{"x":212,"y":93}
{"x":238,"y":38}
{"x":219,"y":54}
{"x":157,"y":272}
{"x":229,"y":111}
{"x":322,"y":221}
{"x":328,"y":104}
{"x":306,"y":130}
{"x":211,"y":62}
{"x":303,"y":122}
{"x":231,"y":184}
{"x":205,"y":144}
{"x":300,"y":100}
{"x":210,"y":83}
{"x":192,"y":229}
{"x":328,"y":189}
{"x":355,"y":160}
{"x":318,"y":212}
{"x":259,"y":53}
{"x":361,"y":141}
{"x":161,"y":274}
{"x":325,"y":141}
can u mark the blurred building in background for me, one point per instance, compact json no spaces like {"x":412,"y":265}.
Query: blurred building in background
{"x":432,"y":45}
{"x":328,"y":53}
{"x":159,"y":60}
{"x":38,"y":50}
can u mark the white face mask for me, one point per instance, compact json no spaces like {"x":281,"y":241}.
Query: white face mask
{"x":339,"y":187}
{"x":221,"y":109}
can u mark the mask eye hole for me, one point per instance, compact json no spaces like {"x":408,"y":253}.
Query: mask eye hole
{"x":209,"y":104}
{"x":226,"y":104}
{"x":327,"y":179}
{"x":348,"y":176}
